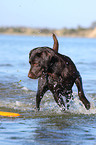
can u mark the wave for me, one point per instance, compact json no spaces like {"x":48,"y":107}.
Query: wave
{"x":7,"y":65}
{"x":22,"y":100}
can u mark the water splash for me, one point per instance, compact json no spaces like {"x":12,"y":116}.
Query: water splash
{"x":77,"y":107}
{"x":23,"y":100}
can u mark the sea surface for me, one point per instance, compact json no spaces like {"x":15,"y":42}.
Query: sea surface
{"x":49,"y":126}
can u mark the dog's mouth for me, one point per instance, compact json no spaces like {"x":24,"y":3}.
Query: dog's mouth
{"x":35,"y":74}
{"x":32,"y":76}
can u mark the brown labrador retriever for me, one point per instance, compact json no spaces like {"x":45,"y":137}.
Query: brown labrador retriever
{"x":56,"y":73}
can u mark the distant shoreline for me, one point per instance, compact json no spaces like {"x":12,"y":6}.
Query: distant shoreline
{"x":79,"y":32}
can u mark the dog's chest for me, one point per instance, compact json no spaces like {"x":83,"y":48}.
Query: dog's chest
{"x":59,"y":83}
{"x":55,"y":82}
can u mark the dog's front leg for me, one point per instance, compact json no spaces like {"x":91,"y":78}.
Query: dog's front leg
{"x":69,"y":97}
{"x":81,"y":95}
{"x":42,"y":88}
{"x":59,"y":100}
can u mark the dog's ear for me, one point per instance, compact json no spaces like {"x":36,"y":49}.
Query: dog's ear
{"x":44,"y":57}
{"x":55,"y":65}
{"x":56,"y":44}
{"x":53,"y":60}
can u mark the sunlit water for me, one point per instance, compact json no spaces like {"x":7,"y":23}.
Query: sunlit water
{"x":17,"y":94}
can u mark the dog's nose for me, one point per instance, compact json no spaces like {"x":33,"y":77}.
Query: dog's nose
{"x":29,"y":75}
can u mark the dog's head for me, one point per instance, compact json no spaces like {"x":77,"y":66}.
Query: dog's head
{"x":39,"y":59}
{"x":43,"y":60}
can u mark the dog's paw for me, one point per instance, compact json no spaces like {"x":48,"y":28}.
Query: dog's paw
{"x":87,"y":106}
{"x":68,"y":106}
{"x":63,"y":109}
{"x":37,"y":109}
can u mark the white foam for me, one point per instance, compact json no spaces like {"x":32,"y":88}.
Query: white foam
{"x":18,"y":103}
{"x":25,"y":88}
{"x":77,"y":107}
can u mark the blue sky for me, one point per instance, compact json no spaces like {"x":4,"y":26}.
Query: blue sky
{"x":47,"y":13}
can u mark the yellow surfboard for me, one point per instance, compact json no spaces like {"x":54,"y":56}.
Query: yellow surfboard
{"x":9,"y":114}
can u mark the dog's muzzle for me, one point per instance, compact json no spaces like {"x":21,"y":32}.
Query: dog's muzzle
{"x":31,"y":75}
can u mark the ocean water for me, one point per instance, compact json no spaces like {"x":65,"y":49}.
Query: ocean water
{"x":17,"y":94}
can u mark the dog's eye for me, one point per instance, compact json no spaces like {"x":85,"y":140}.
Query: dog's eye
{"x":38,"y":54}
{"x":35,"y":64}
